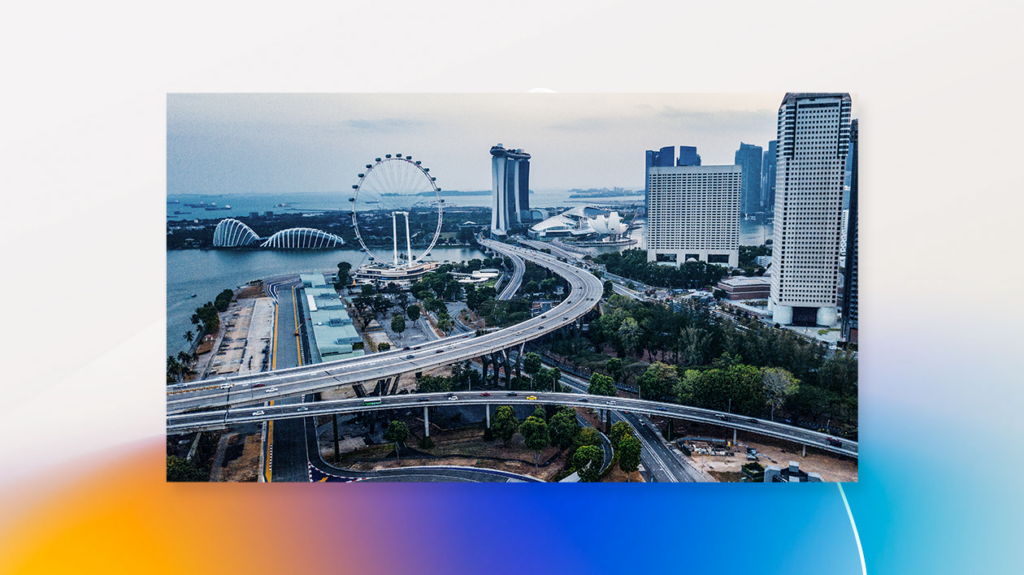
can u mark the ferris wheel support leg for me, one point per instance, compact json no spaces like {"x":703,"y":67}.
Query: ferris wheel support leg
{"x":408,"y":240}
{"x":394,"y":233}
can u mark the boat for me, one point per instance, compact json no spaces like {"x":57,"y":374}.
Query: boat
{"x":193,"y":295}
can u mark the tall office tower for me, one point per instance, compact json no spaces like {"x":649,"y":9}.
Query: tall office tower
{"x":688,"y":156}
{"x":768,"y":177}
{"x":664,"y":158}
{"x":694,"y":213}
{"x":749,"y":156}
{"x":510,"y":185}
{"x":813,"y":141}
{"x":850,"y":286}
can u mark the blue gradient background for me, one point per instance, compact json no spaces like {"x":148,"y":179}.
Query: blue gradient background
{"x":937,"y":86}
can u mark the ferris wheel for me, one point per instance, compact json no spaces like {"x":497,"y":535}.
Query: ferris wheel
{"x":396,"y":205}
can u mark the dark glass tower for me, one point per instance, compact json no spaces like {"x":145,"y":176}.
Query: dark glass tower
{"x":768,"y":174}
{"x":688,"y":156}
{"x":749,"y":156}
{"x":850,"y":287}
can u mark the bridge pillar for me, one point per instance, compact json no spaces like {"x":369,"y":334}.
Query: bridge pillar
{"x":503,"y":354}
{"x":336,"y":452}
{"x":519,"y":359}
{"x":488,"y":407}
{"x":426,"y":421}
{"x":734,"y":436}
{"x":804,"y":454}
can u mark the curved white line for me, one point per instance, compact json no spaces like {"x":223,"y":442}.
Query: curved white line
{"x":856,"y":534}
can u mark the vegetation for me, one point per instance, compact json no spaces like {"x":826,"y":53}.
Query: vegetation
{"x":413,"y":312}
{"x":628,"y":453}
{"x":398,"y":324}
{"x":632,"y":264}
{"x":505,"y":424}
{"x":343,"y":274}
{"x":223,"y":300}
{"x":180,"y":469}
{"x":587,"y":461}
{"x":396,"y":433}
{"x":536,"y":435}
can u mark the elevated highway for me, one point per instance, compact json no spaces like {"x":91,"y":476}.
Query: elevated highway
{"x":185,"y":423}
{"x":384,"y":368}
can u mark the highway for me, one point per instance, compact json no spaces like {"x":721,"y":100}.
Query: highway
{"x":188,"y":422}
{"x":585,"y":292}
{"x":519,"y":268}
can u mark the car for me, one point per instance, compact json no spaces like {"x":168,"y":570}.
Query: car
{"x":511,"y":394}
{"x":258,"y":385}
{"x":417,"y":347}
{"x":543,"y":317}
{"x":834,"y":442}
{"x":722,"y":416}
{"x":611,"y":403}
{"x":662,"y":408}
{"x":410,"y":356}
{"x":423,"y":399}
{"x":584,"y":400}
{"x":406,"y":348}
{"x":258,"y":413}
{"x":439,"y":351}
{"x":485,"y":394}
{"x":303,"y":408}
{"x":566,"y":317}
{"x":532,"y":397}
{"x":296,"y":332}
{"x":226,"y":386}
{"x":754,"y":421}
{"x":540,"y":327}
{"x":453,"y":397}
{"x":270,"y":390}
{"x":520,"y":332}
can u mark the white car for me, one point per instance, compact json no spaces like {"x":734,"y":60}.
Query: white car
{"x":258,"y":413}
{"x":226,"y":386}
{"x":302,"y":409}
{"x":453,"y":398}
{"x":270,"y":390}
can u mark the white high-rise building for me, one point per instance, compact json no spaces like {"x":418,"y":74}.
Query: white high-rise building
{"x":813,"y":141}
{"x":693,"y":212}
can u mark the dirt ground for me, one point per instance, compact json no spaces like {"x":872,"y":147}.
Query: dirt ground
{"x":463,"y":447}
{"x":250,"y":291}
{"x":241,"y":459}
{"x":618,"y":476}
{"x":831,"y":468}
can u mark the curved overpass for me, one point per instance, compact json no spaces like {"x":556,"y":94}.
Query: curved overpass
{"x":585,"y":291}
{"x":184,"y":423}
{"x":519,"y":268}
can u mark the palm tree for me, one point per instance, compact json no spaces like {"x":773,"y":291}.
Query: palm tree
{"x":195,"y":319}
{"x":189,"y":336}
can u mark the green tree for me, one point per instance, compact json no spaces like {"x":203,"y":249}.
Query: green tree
{"x":532,"y":363}
{"x":397,"y":433}
{"x":563,"y":426}
{"x":658,"y":381}
{"x":445,"y":323}
{"x":383,"y":346}
{"x":433,"y":384}
{"x":539,"y":413}
{"x":368,"y":290}
{"x":556,"y":378}
{"x":694,"y":343}
{"x":614,"y":368}
{"x":223,"y":300}
{"x":535,"y":433}
{"x":505,"y":424}
{"x":601,"y":385}
{"x":413,"y":312}
{"x":587,"y":460}
{"x":180,"y":469}
{"x":343,"y":269}
{"x":619,"y":430}
{"x":628,"y":335}
{"x":609,"y":288}
{"x":398,"y":324}
{"x":189,"y":336}
{"x":629,"y":454}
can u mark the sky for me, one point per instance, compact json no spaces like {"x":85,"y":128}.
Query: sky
{"x":283,"y":143}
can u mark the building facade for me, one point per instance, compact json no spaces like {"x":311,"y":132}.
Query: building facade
{"x":749,"y":156}
{"x":768,"y":175}
{"x":510,"y":189}
{"x":688,"y":156}
{"x":813,"y":142}
{"x":850,"y":287}
{"x":694,"y":213}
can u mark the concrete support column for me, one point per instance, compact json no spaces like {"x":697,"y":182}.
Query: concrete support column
{"x":804,"y":453}
{"x":734,"y":436}
{"x":519,"y":360}
{"x":488,"y":407}
{"x":426,"y":421}
{"x":336,"y":451}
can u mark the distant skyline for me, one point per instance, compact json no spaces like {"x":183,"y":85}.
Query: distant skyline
{"x":284,"y":143}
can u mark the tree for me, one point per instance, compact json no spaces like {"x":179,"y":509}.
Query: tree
{"x":531,"y":287}
{"x":556,"y":377}
{"x":397,"y":433}
{"x":368,"y":290}
{"x":380,"y":304}
{"x":609,"y":288}
{"x":619,"y":430}
{"x":563,"y":427}
{"x":628,"y":335}
{"x":383,"y":346}
{"x":532,"y":363}
{"x":413,"y":311}
{"x":587,"y":460}
{"x":658,"y":381}
{"x":629,"y":455}
{"x":539,"y":413}
{"x":505,"y":424}
{"x":778,"y":385}
{"x":445,"y":323}
{"x":398,"y":324}
{"x":601,"y":385}
{"x":535,"y":432}
{"x":433,"y":384}
{"x":343,"y":269}
{"x":694,"y":343}
{"x":614,"y":368}
{"x":180,"y":469}
{"x":189,"y":336}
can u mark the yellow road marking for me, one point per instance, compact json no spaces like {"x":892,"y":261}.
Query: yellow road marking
{"x":295,"y":310}
{"x":270,"y":443}
{"x":273,"y":357}
{"x":322,"y":480}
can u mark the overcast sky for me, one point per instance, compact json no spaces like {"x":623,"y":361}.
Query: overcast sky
{"x":228,"y":143}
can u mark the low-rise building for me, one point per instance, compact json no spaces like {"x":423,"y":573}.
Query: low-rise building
{"x":791,"y":474}
{"x":743,"y":288}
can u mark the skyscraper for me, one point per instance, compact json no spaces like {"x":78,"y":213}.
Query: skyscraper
{"x":694,"y":213}
{"x":850,"y":286}
{"x":813,"y":142}
{"x":768,"y":177}
{"x":688,"y":156}
{"x":510,"y":185}
{"x":749,"y":156}
{"x":664,"y":157}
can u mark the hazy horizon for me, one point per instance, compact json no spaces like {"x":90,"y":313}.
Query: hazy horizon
{"x":317,"y":143}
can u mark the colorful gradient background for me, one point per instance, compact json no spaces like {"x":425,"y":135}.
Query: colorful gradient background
{"x":81,"y":456}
